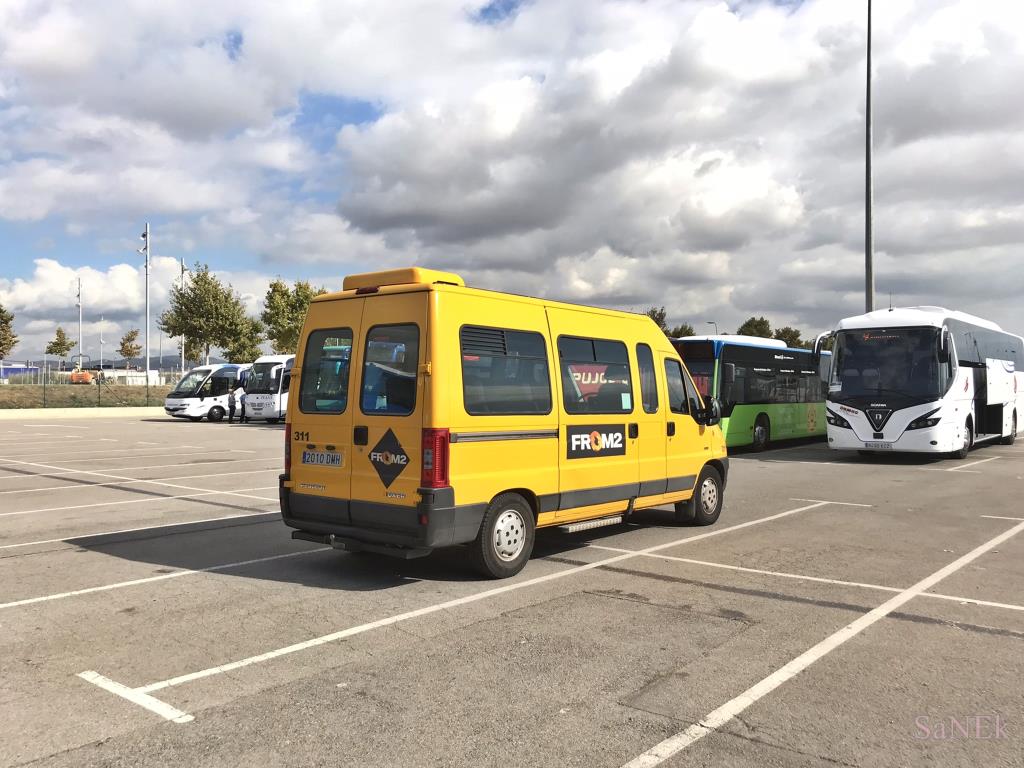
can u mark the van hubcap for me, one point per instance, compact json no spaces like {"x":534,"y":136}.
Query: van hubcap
{"x":709,"y":495}
{"x":509,"y":535}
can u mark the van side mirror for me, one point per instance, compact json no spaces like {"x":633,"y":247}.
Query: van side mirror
{"x":728,"y":373}
{"x":710,"y":414}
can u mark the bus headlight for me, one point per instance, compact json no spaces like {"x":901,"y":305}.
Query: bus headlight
{"x":836,"y":420}
{"x":923,"y":422}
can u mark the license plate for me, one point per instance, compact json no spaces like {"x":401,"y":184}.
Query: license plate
{"x":879,"y":446}
{"x":321,"y":458}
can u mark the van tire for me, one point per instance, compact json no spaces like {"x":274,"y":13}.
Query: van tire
{"x":968,"y":443}
{"x":704,"y":507}
{"x":762,"y":432}
{"x":216,"y":413}
{"x":505,"y":541}
{"x":1011,"y":438}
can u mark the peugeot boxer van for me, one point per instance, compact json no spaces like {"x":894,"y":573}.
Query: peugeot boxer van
{"x":426,"y":414}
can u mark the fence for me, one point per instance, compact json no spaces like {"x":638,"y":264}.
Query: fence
{"x":49,"y":388}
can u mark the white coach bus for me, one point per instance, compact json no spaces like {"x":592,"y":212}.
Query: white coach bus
{"x":266,"y":391}
{"x":923,"y":379}
{"x":204,"y":391}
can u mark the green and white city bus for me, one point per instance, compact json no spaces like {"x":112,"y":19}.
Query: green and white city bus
{"x":768,"y":391}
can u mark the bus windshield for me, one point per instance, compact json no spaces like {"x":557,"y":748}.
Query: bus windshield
{"x":264,"y":379}
{"x":702,"y":372}
{"x":877,"y":362}
{"x":189,"y":384}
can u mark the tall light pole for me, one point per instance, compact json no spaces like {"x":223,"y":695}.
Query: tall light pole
{"x":183,"y":334}
{"x":79,"y":322}
{"x":145,"y":249}
{"x":712,"y":322}
{"x":101,"y":346}
{"x":869,"y":233}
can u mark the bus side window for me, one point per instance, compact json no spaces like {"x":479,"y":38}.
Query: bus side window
{"x":648,"y":382}
{"x":676,"y":388}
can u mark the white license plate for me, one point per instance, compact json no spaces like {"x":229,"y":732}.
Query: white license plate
{"x":879,"y":446}
{"x":321,"y":458}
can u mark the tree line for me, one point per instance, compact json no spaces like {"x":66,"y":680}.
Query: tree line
{"x":753,"y":326}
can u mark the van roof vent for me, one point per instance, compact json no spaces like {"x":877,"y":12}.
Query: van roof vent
{"x":405,"y":276}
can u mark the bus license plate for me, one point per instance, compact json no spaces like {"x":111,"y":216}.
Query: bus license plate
{"x":321,"y":458}
{"x":879,"y":446}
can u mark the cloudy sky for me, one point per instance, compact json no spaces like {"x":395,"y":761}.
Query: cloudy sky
{"x":704,"y":155}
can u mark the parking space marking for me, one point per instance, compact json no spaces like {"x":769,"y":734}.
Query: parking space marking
{"x":443,"y":606}
{"x":1001,"y":517}
{"x":972,"y":464}
{"x":161,"y":577}
{"x":10,"y":461}
{"x":150,"y":499}
{"x":70,"y":539}
{"x":115,"y":483}
{"x":816,"y":579}
{"x":728,"y":711}
{"x":840,"y":503}
{"x":276,"y":459}
{"x":156,"y":706}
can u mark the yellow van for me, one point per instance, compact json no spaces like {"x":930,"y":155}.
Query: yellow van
{"x":428,"y":414}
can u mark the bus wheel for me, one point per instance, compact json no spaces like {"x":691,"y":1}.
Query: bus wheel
{"x":704,"y":507}
{"x":216,"y":413}
{"x":968,"y":442}
{"x":505,"y":541}
{"x":1011,"y":438}
{"x":762,"y":432}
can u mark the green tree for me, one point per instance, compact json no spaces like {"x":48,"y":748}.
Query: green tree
{"x":8,"y":338}
{"x":130,"y":348}
{"x":791,"y":336}
{"x":60,"y":345}
{"x":684,"y":329}
{"x":245,"y":345}
{"x":658,"y":315}
{"x":756,"y":326}
{"x":284,"y":311}
{"x":206,"y":312}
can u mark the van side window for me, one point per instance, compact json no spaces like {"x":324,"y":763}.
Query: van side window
{"x":692,"y":399}
{"x":676,"y":389}
{"x":648,"y":381}
{"x":504,"y":372}
{"x":221,"y":385}
{"x":595,"y":375}
{"x":389,"y":370}
{"x":323,"y":387}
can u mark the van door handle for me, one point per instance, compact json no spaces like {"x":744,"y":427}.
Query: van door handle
{"x":671,"y":428}
{"x":634,"y":431}
{"x":360,"y":436}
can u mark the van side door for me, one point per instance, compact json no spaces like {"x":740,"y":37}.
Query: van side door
{"x":651,"y":425}
{"x":685,"y":447}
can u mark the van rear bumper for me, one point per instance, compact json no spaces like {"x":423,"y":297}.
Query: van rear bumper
{"x":404,"y":531}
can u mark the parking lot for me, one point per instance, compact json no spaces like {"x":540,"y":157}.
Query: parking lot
{"x":843,"y":611}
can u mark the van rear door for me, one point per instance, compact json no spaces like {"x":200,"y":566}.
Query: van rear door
{"x":389,"y":411}
{"x":321,"y":414}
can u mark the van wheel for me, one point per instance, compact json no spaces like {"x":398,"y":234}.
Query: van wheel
{"x":505,"y":541}
{"x":704,"y":507}
{"x":762,"y":432}
{"x":1012,"y":437}
{"x":216,"y":413}
{"x":968,"y":442}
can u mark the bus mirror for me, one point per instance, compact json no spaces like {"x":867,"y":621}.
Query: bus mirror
{"x":944,"y":346}
{"x":728,"y":373}
{"x":819,"y":344}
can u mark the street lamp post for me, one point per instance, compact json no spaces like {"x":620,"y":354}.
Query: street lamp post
{"x":869,"y":232}
{"x":145,"y":249}
{"x":712,"y":322}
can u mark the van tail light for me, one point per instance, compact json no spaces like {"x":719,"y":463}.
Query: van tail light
{"x":287,"y":448}
{"x":435,"y":458}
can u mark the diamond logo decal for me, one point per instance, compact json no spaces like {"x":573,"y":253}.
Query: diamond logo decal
{"x":388,"y":458}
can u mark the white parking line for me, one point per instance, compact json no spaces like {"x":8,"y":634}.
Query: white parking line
{"x":972,"y":464}
{"x":725,"y":713}
{"x":839,"y":503}
{"x":1000,"y":517}
{"x":436,"y":607}
{"x":10,"y":461}
{"x":816,"y":579}
{"x":156,"y":706}
{"x":275,"y":459}
{"x":112,"y":484}
{"x":149,"y":499}
{"x":79,"y":537}
{"x":161,"y":577}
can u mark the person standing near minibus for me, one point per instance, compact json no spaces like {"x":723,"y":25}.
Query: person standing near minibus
{"x":231,"y":406}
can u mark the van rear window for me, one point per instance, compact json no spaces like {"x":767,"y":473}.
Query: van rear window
{"x":504,"y":373}
{"x":389,"y":370}
{"x":325,"y":371}
{"x":595,"y":375}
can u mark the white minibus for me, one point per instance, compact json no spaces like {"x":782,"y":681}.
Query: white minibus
{"x":266,"y":391}
{"x":204,"y":391}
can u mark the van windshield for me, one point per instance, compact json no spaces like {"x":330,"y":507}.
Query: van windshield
{"x":325,"y":371}
{"x":189,"y":384}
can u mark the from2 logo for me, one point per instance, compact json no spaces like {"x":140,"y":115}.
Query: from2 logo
{"x":588,"y":442}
